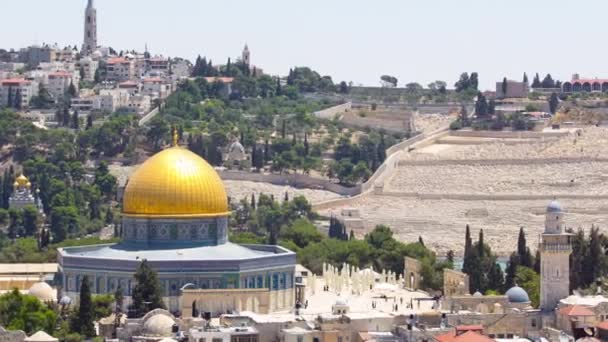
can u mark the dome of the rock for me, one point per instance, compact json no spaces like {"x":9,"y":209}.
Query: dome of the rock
{"x":175,"y":183}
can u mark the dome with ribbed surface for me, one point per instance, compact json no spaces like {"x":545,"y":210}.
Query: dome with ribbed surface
{"x":175,"y":183}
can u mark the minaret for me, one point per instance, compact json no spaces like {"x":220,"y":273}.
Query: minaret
{"x":555,"y":248}
{"x":246,"y":57}
{"x":90,"y":29}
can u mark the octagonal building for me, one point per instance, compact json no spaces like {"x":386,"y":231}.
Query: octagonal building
{"x":175,"y":215}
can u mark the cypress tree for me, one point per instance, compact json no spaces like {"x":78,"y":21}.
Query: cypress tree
{"x":286,"y":197}
{"x":85,"y":310}
{"x":266,"y":151}
{"x":381,"y":149}
{"x":306,"y":147}
{"x":495,"y":277}
{"x":505,"y":86}
{"x":147,"y":290}
{"x":75,"y":120}
{"x":279,"y":90}
{"x":596,"y":259}
{"x":480,"y":245}
{"x":118,"y":299}
{"x":9,"y":100}
{"x":468,"y":246}
{"x":553,"y":103}
{"x":89,"y":122}
{"x":525,"y":80}
{"x":521,"y":242}
{"x":18,"y":99}
{"x":511,"y":271}
{"x":420,"y":241}
{"x":283,"y":129}
{"x":537,"y":261}
{"x":352,"y":235}
{"x":253,"y":203}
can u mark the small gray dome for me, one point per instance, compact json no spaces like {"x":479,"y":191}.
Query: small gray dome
{"x":554,"y":207}
{"x":65,"y":300}
{"x":517,"y":295}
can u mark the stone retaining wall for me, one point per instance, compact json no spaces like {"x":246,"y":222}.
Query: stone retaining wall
{"x":468,"y":162}
{"x":293,"y":180}
{"x":507,"y":134}
{"x":480,"y":197}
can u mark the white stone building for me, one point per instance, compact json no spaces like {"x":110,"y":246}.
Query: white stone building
{"x":59,"y":83}
{"x":17,"y":89}
{"x":112,"y":99}
{"x":156,"y":87}
{"x":120,"y":69}
{"x":89,"y":66}
{"x":86,"y":103}
{"x":139,"y":104}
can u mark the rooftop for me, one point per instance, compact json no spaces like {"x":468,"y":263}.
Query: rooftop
{"x":576,"y":310}
{"x":589,"y":301}
{"x":15,"y":81}
{"x":469,"y":336}
{"x":164,"y":252}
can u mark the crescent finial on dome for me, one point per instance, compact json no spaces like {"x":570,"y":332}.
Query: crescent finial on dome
{"x":175,"y":136}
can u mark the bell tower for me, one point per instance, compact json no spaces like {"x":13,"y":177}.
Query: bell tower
{"x":246,"y":56}
{"x":555,"y":248}
{"x":90,"y":29}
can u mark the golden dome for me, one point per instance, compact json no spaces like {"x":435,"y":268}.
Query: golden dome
{"x":21,"y":180}
{"x":175,"y":183}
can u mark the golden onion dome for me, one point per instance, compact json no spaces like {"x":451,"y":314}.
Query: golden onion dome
{"x":21,"y":180}
{"x":175,"y":183}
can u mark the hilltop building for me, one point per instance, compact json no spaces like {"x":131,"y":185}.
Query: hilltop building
{"x":175,"y":216}
{"x":90,"y":29}
{"x":246,"y":56}
{"x":577,"y":85}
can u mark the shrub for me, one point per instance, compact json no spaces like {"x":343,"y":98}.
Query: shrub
{"x":455,"y":125}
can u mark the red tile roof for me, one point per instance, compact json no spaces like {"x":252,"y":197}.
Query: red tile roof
{"x":589,"y":80}
{"x":469,"y":336}
{"x":60,"y":74}
{"x":576,"y":310}
{"x":15,"y":81}
{"x":117,"y":60}
{"x":603,"y":325}
{"x":128,"y":84}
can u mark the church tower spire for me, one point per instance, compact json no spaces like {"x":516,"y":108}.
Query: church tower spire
{"x":246,"y":56}
{"x":90,"y":29}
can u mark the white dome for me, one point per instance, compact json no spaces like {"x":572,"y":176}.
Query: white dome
{"x":43,"y":291}
{"x":159,"y":325}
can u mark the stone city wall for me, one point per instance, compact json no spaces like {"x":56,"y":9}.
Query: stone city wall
{"x":376,"y":181}
{"x":331,"y":112}
{"x":294,"y":180}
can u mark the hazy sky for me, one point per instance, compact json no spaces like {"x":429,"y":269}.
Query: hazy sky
{"x":352,"y":40}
